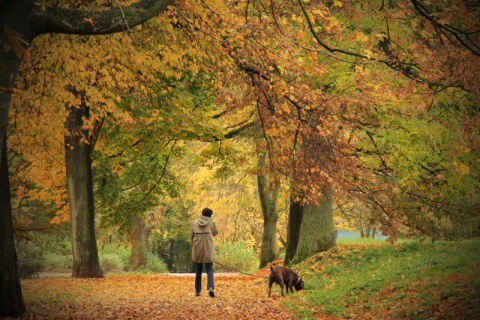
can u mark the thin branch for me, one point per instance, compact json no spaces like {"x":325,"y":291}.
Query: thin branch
{"x":123,"y":15}
{"x":163,"y":172}
{"x":461,"y":36}
{"x":320,"y":42}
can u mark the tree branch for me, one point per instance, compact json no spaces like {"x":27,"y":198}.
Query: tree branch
{"x":462,"y":37}
{"x":70,"y":21}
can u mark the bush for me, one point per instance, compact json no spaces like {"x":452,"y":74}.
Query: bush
{"x":111,"y":262}
{"x":117,"y":258}
{"x":121,"y":252}
{"x":236,"y":257}
{"x":30,"y":259}
{"x":58,"y":262}
{"x":156,"y":264}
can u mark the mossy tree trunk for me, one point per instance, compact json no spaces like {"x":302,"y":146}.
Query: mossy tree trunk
{"x":268,"y":194}
{"x":13,"y":19}
{"x":139,"y":240}
{"x":268,"y":200}
{"x":80,"y":195}
{"x":310,"y":229}
{"x":295,"y":217}
{"x":317,"y":230}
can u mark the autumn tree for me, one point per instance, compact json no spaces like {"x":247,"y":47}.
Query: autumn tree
{"x":418,"y":87}
{"x":116,"y":69}
{"x":325,"y":74}
{"x":78,"y":150}
{"x":130,"y":163}
{"x":282,"y":97}
{"x":21,"y":24}
{"x":137,"y":167}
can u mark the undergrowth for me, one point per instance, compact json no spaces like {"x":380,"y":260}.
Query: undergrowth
{"x":408,"y":280}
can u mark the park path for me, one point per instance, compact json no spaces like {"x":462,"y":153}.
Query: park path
{"x":152,"y":297}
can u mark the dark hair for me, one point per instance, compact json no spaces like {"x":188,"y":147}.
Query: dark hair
{"x":207,"y":212}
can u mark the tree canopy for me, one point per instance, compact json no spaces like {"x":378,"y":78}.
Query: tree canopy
{"x":373,"y":102}
{"x":368,"y":98}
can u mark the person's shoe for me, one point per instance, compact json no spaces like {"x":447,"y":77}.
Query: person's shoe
{"x":211,"y":292}
{"x":197,"y":294}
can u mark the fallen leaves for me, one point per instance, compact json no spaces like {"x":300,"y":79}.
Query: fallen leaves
{"x":150,"y":297}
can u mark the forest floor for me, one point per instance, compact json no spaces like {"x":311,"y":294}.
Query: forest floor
{"x":351,"y":281}
{"x":152,"y":297}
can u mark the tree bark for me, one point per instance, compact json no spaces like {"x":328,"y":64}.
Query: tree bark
{"x":295,"y":217}
{"x":80,"y":195}
{"x":14,"y":26}
{"x":317,"y":230}
{"x":58,"y":20}
{"x":268,"y":201}
{"x":139,"y":239}
{"x":310,"y":229}
{"x":11,"y":300}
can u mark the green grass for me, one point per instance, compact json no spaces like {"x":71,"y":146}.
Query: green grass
{"x":407,"y":280}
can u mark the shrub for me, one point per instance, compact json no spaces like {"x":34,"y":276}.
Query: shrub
{"x":236,"y":257}
{"x":117,"y":258}
{"x":156,"y":264}
{"x":121,"y":252}
{"x":58,"y":262}
{"x":30,"y":259}
{"x":140,"y":270}
{"x":111,"y":262}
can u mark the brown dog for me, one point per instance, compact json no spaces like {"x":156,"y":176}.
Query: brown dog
{"x":284,"y":276}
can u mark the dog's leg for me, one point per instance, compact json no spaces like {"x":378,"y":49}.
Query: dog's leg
{"x":270,"y":283}
{"x":287,"y":283}
{"x":280,"y":283}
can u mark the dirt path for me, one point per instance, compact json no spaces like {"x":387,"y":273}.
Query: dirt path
{"x":152,"y":297}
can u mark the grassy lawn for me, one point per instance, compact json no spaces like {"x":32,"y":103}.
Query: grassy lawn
{"x":407,"y":280}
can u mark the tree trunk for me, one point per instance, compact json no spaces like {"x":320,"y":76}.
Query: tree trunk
{"x":295,"y":217}
{"x":14,"y":27}
{"x":11,"y":300}
{"x":80,"y":195}
{"x":310,"y":229}
{"x":139,"y":239}
{"x":317,"y":230}
{"x":268,"y":200}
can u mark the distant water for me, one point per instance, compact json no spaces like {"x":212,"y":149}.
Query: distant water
{"x":347,"y":234}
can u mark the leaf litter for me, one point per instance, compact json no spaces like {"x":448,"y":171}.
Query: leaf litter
{"x":152,"y":297}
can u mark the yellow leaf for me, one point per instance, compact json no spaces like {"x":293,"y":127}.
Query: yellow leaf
{"x":369,"y":54}
{"x":333,"y":21}
{"x":461,"y":168}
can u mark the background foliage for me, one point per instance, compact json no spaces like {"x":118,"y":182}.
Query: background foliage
{"x":374,"y":99}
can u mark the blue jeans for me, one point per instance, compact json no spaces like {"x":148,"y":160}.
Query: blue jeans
{"x":198,"y":276}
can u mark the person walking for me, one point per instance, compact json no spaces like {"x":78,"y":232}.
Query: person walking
{"x":203,"y":250}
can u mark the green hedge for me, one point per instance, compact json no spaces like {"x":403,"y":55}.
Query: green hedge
{"x":236,"y":257}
